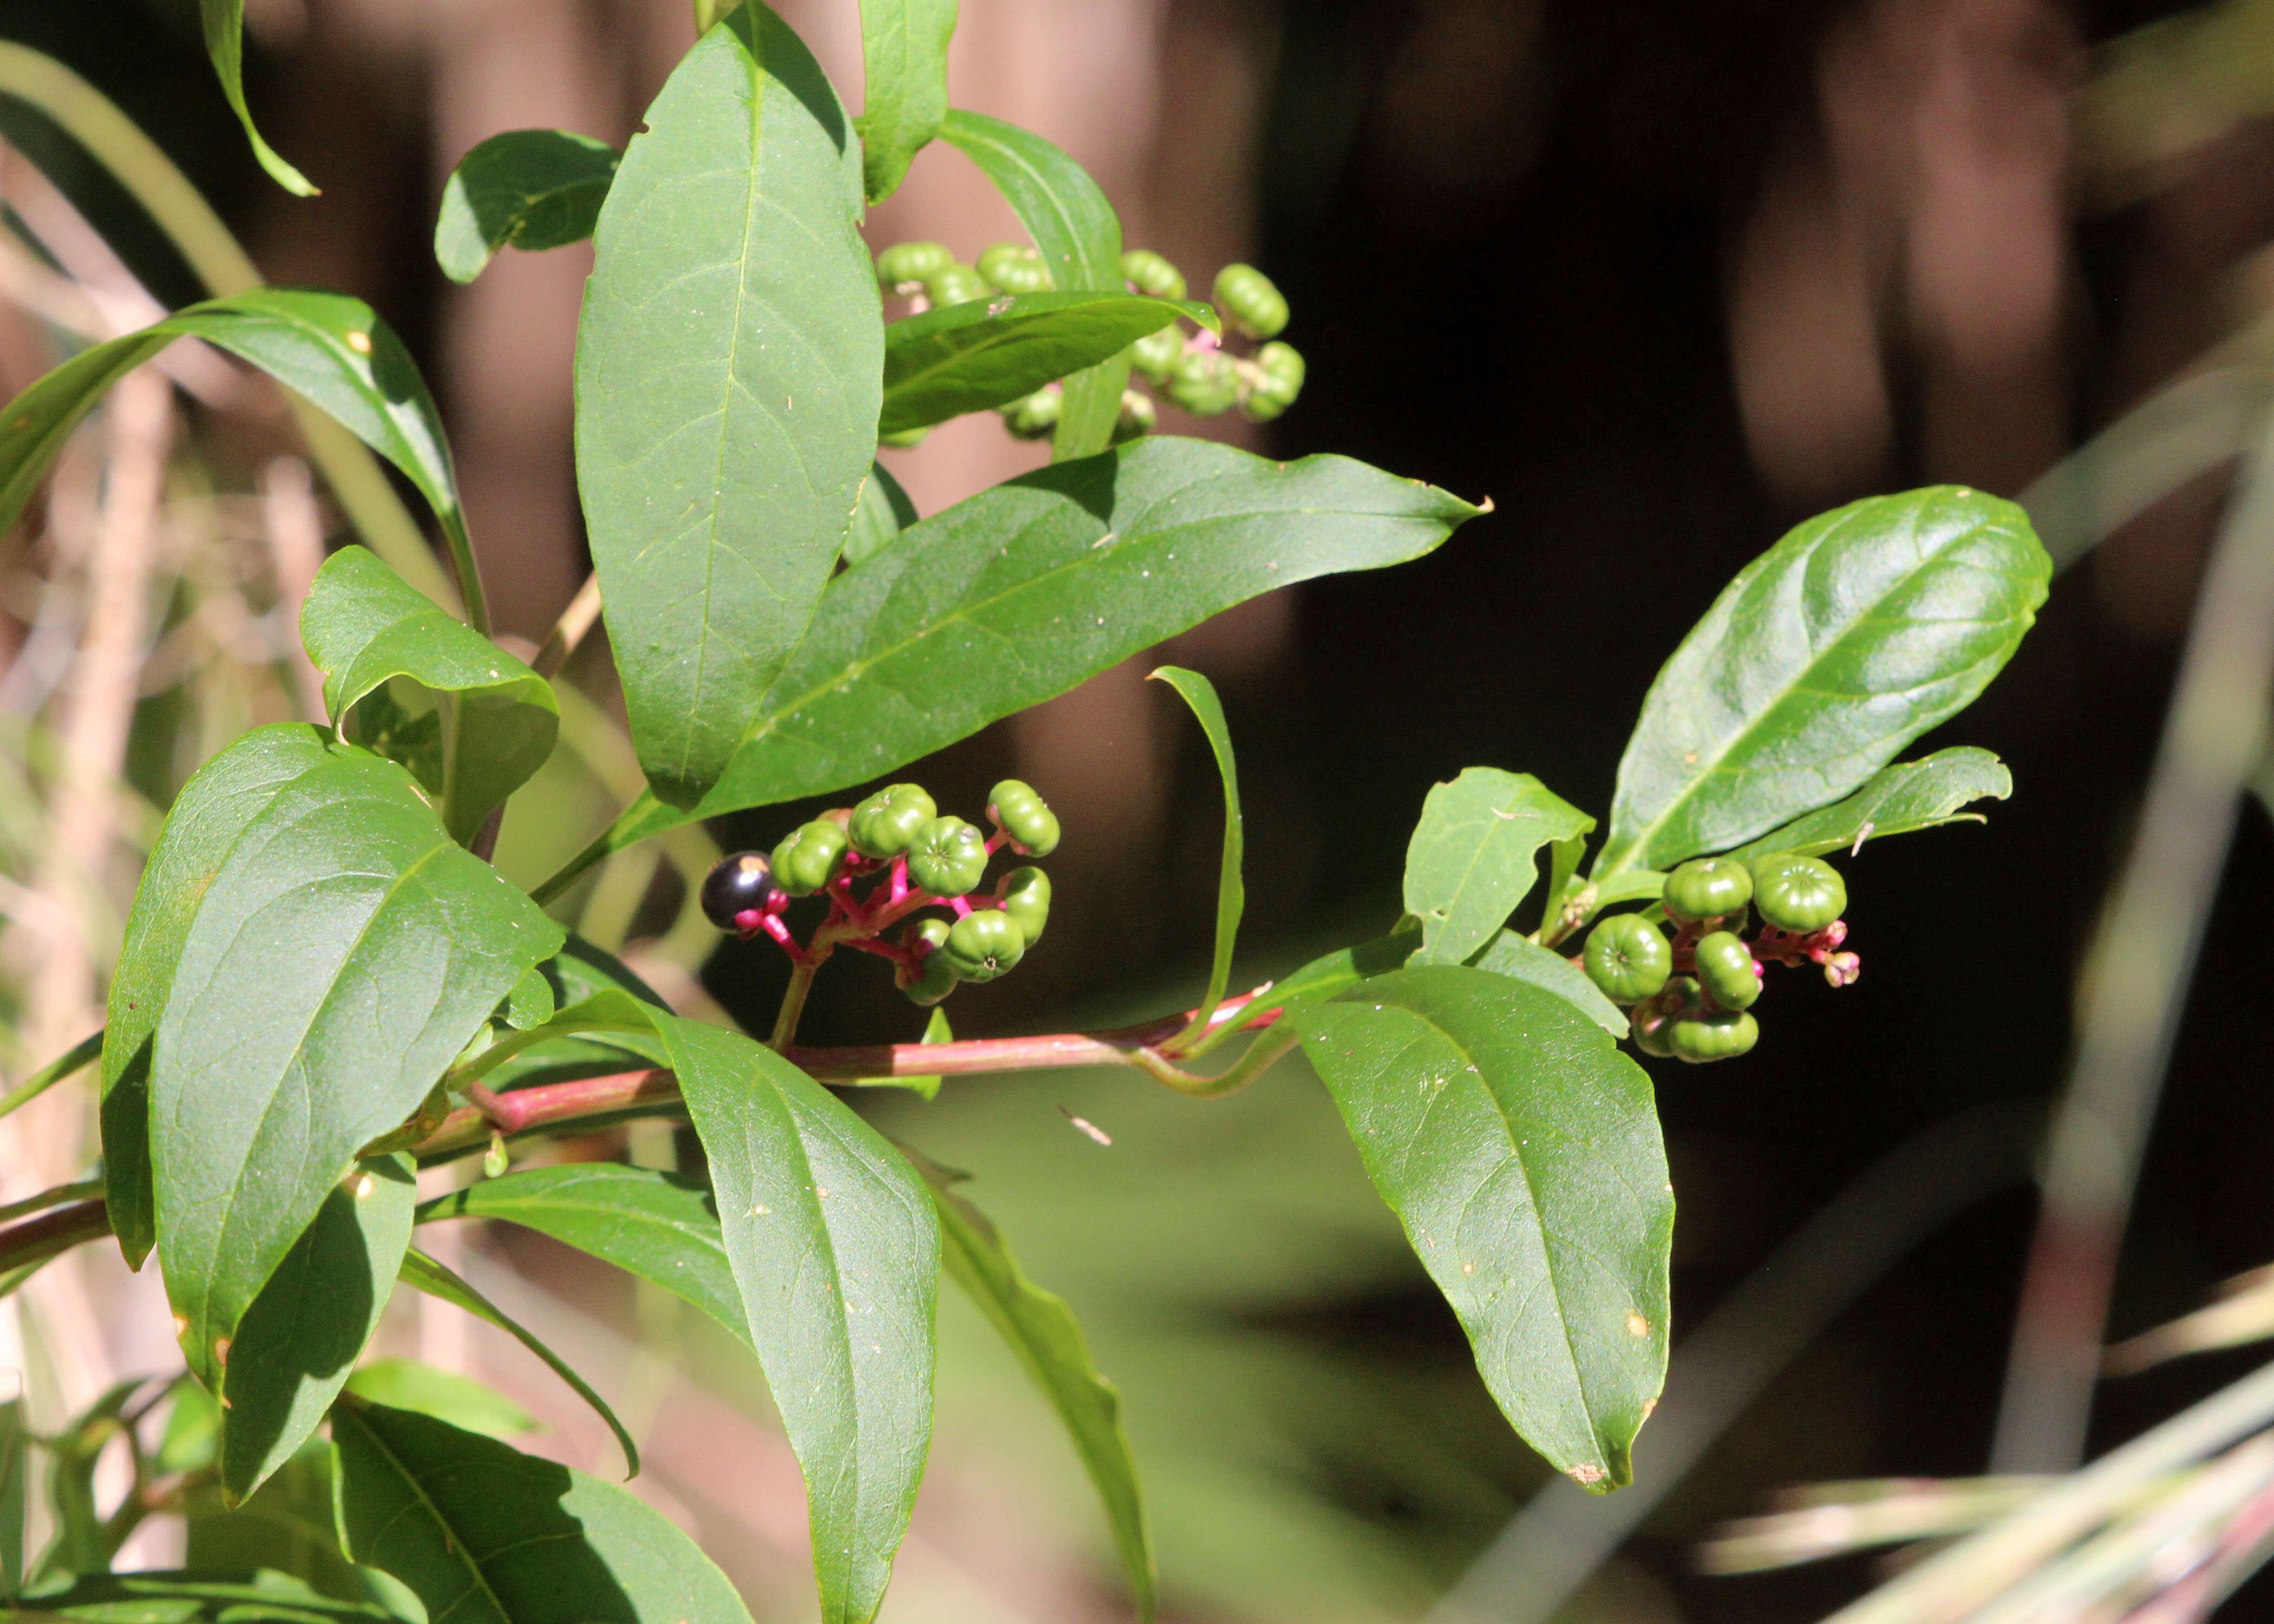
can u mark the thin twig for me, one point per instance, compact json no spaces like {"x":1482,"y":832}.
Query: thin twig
{"x":569,"y":629}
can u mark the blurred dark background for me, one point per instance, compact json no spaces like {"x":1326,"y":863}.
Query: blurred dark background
{"x":1660,"y":280}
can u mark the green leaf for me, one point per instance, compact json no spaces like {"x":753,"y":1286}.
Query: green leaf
{"x":201,"y":1595}
{"x":661,"y":1227}
{"x":935,"y":1031}
{"x":904,"y":58}
{"x":437,"y":1281}
{"x":836,"y":1252}
{"x":473,"y":1406}
{"x":1510,"y":954}
{"x":728,"y":374}
{"x":287,"y":1527}
{"x":12,"y":1495}
{"x":530,"y":188}
{"x":344,"y":952}
{"x":530,"y":1003}
{"x":299,"y":1341}
{"x":83,"y":1541}
{"x":1853,"y":635}
{"x":364,"y":626}
{"x":484,"y":1534}
{"x":1474,"y":854}
{"x":328,"y":348}
{"x":884,"y":512}
{"x":224,"y":27}
{"x":1520,"y":1149}
{"x":985,"y":353}
{"x":1231,"y":891}
{"x":1337,"y":972}
{"x":1079,"y":236}
{"x":1910,"y":795}
{"x":1043,"y":1331}
{"x":208,"y":816}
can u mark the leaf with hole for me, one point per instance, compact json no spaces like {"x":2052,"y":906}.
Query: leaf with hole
{"x":1520,"y":1149}
{"x":1475,"y":854}
{"x":1907,"y":796}
{"x":904,"y":61}
{"x":987,"y":352}
{"x":728,"y":374}
{"x":530,"y":189}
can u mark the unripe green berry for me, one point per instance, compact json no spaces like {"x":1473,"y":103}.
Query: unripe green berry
{"x":984,"y":945}
{"x":1707,"y":888}
{"x":1798,"y":894}
{"x":884,"y":823}
{"x":1248,"y":302}
{"x":1013,"y":807}
{"x":1651,"y":1024}
{"x":1720,"y":1036}
{"x":948,"y":857}
{"x":809,"y":857}
{"x":1204,"y":382}
{"x":1015,"y":269}
{"x":1026,"y":894}
{"x":1148,"y":272}
{"x":1725,"y":967}
{"x":1033,"y":417}
{"x":906,"y":267}
{"x":1137,"y":419}
{"x":1154,"y":356}
{"x":900,"y":440}
{"x":1270,"y":381}
{"x":958,"y":284}
{"x":1627,"y":959}
{"x":934,"y":977}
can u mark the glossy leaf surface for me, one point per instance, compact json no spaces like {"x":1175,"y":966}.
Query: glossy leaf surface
{"x":530,"y":188}
{"x":224,"y":31}
{"x":987,"y":352}
{"x":1042,"y":1330}
{"x":1073,"y":225}
{"x":409,"y":1384}
{"x":364,"y":625}
{"x":727,"y":385}
{"x":904,"y":62}
{"x":1231,"y":889}
{"x":1907,"y":796}
{"x":1853,"y":635}
{"x":836,"y":1252}
{"x":297,"y":1345}
{"x":484,"y":1534}
{"x":345,"y":951}
{"x":884,"y":512}
{"x":659,"y":1226}
{"x":1520,"y":1149}
{"x":1508,"y":953}
{"x":1475,"y":853}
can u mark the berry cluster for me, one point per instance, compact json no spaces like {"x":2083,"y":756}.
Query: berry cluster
{"x":1692,"y":997}
{"x":1198,"y":372}
{"x":917,"y":859}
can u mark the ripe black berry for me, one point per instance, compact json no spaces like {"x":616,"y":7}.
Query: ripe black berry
{"x":738,"y":891}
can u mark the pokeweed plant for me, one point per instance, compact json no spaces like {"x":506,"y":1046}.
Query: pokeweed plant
{"x":325,"y":986}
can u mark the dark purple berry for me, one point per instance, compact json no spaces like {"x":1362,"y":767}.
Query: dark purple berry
{"x":739,"y":891}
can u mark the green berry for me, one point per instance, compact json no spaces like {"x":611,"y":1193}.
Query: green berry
{"x":1137,"y":419}
{"x":1798,"y":894}
{"x":809,"y":857}
{"x":1204,"y":382}
{"x":934,"y":977}
{"x":1014,"y":809}
{"x":957,"y":284}
{"x":902,"y":439}
{"x":884,"y":823}
{"x":1154,"y":356}
{"x":1015,"y":269}
{"x":1725,"y":966}
{"x":1720,"y":1036}
{"x":1248,"y":302}
{"x":1148,"y":272}
{"x":982,"y":945}
{"x":1651,"y":1025}
{"x":1033,"y":417}
{"x":948,"y":857}
{"x":1707,"y":888}
{"x":906,"y":267}
{"x":1627,"y":959}
{"x":1270,"y":381}
{"x":1026,"y":894}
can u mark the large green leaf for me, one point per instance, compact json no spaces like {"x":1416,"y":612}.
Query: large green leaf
{"x":904,"y":58}
{"x":985,"y":352}
{"x":661,"y":1227}
{"x":1232,"y":887}
{"x":328,"y":348}
{"x":836,"y":1252}
{"x":1332,"y":974}
{"x":224,"y":27}
{"x":1080,"y":235}
{"x":365,"y":625}
{"x":884,"y":512}
{"x":530,"y":188}
{"x":1475,"y":853}
{"x":345,"y":950}
{"x":1827,"y":654}
{"x":484,"y":1534}
{"x":1520,"y":1149}
{"x":728,"y":370}
{"x":1907,"y":796}
{"x":201,"y":1595}
{"x":408,"y":1384}
{"x":1042,"y":1330}
{"x":212,"y":811}
{"x":297,"y":1345}
{"x":1508,"y":953}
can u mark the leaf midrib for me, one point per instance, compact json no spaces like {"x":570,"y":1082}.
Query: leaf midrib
{"x":452,"y":1542}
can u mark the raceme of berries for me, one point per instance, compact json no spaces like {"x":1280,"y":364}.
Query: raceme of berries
{"x":910,"y":858}
{"x":1015,"y":269}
